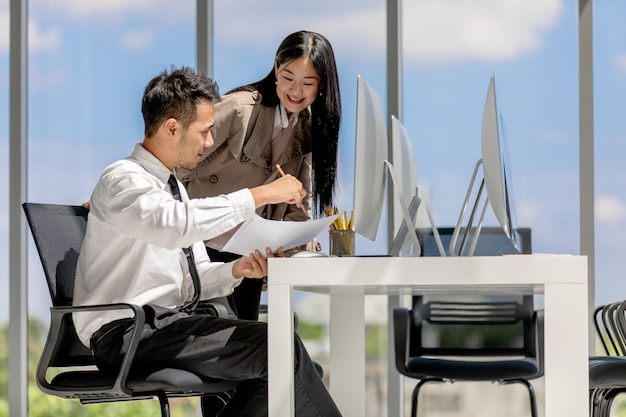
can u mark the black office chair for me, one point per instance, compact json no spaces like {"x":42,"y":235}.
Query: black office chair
{"x":470,"y":337}
{"x":607,"y":374}
{"x":66,"y":368}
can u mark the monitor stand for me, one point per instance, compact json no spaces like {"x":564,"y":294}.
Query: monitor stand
{"x":469,"y":229}
{"x":408,"y":227}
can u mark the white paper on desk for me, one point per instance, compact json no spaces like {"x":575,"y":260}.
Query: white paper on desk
{"x":260,"y":233}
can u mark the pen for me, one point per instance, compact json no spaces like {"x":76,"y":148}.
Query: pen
{"x":282,"y":174}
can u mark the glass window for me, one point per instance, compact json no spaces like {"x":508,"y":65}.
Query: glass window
{"x":450,"y":52}
{"x":609,"y":127}
{"x":4,"y":155}
{"x":245,"y":46}
{"x":451,"y":49}
{"x":4,"y":202}
{"x":88,"y":65}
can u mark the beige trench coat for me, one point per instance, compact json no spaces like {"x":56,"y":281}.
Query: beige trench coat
{"x":241,"y":156}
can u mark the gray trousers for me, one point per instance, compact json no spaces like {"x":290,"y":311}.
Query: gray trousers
{"x":221,"y":348}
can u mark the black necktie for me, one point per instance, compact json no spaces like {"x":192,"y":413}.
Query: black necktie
{"x":190,"y":305}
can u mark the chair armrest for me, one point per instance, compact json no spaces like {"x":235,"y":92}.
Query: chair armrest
{"x":216,"y":309}
{"x":539,"y":339}
{"x":620,"y":323}
{"x":401,"y":330}
{"x":57,"y":315}
{"x":601,"y":330}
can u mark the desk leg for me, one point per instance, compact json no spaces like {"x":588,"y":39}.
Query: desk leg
{"x":347,"y":353}
{"x":280,"y":351}
{"x":566,"y":350}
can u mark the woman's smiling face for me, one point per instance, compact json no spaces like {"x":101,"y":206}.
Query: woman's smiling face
{"x":297,"y":84}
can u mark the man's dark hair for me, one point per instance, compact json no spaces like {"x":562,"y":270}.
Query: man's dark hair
{"x":175,"y":94}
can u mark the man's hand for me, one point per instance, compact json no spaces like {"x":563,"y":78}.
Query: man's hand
{"x":287,"y":189}
{"x":255,"y":265}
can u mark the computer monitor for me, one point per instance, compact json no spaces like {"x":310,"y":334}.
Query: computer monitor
{"x":407,"y":192}
{"x":369,"y":166}
{"x":494,"y":184}
{"x":494,"y":168}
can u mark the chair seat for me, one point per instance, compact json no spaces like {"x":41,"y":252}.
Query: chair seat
{"x":473,"y":370}
{"x":167,"y":380}
{"x":171,"y":379}
{"x":607,"y":372}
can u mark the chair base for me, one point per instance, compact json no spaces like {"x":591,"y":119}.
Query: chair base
{"x":601,"y":401}
{"x":212,"y":404}
{"x":528,"y":385}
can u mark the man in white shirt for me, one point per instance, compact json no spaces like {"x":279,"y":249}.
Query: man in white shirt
{"x":132,"y":253}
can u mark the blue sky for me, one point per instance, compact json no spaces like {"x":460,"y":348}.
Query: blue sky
{"x":89,"y":62}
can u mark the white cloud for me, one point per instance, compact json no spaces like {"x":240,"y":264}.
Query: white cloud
{"x":99,"y":10}
{"x":610,"y":209}
{"x":4,"y":33}
{"x":620,"y":61}
{"x":145,"y":17}
{"x":434,"y":30}
{"x":455,"y":30}
{"x":136,"y":40}
{"x":39,"y":39}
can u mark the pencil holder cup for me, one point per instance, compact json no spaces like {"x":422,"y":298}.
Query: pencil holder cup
{"x":341,"y":242}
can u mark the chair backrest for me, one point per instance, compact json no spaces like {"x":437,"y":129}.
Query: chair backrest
{"x":492,"y":241}
{"x":473,"y":324}
{"x":58,"y":232}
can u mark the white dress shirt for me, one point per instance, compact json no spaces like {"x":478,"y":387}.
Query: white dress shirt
{"x":132,"y":252}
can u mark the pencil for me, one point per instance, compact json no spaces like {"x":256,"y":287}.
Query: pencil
{"x":282,"y":174}
{"x":280,"y":170}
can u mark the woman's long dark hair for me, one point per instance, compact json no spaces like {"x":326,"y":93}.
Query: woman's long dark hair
{"x":325,"y":110}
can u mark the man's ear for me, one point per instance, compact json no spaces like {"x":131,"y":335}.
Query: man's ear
{"x":170,"y":126}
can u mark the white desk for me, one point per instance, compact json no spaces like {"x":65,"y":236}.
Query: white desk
{"x":562,"y":279}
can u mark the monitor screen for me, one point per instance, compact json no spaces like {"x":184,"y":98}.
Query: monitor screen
{"x":493,"y":160}
{"x":495,"y":182}
{"x":408,"y":198}
{"x":370,"y":154}
{"x":405,"y":190}
{"x":403,"y":160}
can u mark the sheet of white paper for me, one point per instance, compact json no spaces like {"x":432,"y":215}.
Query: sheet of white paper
{"x":260,"y":233}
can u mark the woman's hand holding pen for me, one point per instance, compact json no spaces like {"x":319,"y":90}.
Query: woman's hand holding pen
{"x":283,"y":175}
{"x":286,"y":189}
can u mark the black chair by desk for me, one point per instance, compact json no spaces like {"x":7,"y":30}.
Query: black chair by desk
{"x":470,"y":337}
{"x":607,"y":374}
{"x":66,"y":368}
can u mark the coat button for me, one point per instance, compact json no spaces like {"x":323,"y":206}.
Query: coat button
{"x":245,"y":158}
{"x":213,"y":179}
